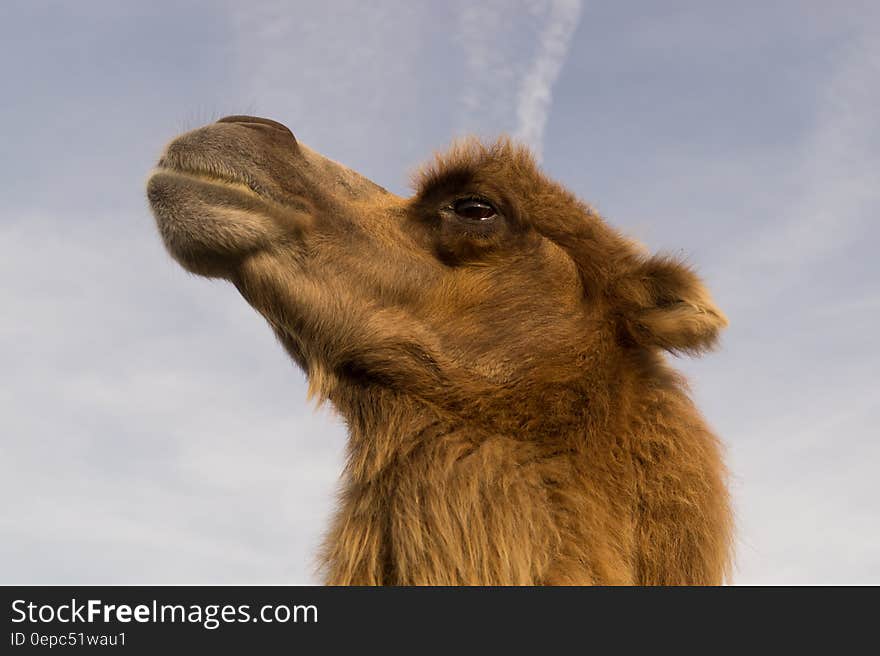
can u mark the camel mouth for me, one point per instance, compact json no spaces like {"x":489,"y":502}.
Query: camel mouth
{"x":198,"y":169}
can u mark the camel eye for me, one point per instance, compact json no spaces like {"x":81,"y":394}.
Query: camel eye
{"x":473,"y":209}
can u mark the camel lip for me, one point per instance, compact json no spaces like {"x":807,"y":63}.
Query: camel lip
{"x":197,"y":179}
{"x":206,"y":173}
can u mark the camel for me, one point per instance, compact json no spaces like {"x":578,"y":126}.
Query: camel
{"x":496,"y":349}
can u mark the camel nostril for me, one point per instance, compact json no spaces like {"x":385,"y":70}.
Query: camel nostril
{"x":256,"y":121}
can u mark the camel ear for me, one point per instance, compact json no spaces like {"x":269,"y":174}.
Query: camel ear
{"x":668,"y":306}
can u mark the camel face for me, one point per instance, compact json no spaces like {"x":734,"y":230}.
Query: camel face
{"x":454,"y":279}
{"x":494,"y":346}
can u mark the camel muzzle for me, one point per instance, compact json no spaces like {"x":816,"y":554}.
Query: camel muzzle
{"x":236,"y":186}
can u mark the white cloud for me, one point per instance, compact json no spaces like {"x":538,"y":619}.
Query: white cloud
{"x":801,"y":348}
{"x":833,"y":188}
{"x":536,"y":88}
{"x":153,"y":431}
{"x":514,"y":53}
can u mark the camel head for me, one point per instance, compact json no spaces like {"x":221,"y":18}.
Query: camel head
{"x":490,"y":282}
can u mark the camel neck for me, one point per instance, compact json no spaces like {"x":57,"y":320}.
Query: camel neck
{"x":384,"y":427}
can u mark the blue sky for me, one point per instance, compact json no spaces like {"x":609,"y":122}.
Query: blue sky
{"x":152,"y":431}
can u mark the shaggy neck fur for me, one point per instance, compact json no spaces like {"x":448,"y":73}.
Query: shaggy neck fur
{"x":604,"y":497}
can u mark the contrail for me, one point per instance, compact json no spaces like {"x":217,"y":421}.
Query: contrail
{"x":535,"y":93}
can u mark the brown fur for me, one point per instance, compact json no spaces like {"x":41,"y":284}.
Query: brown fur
{"x":512,"y":416}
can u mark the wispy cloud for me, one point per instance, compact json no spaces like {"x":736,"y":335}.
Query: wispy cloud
{"x":803,"y":306}
{"x":492,"y":66}
{"x":536,"y":89}
{"x":513,"y":54}
{"x":142,"y":429}
{"x":834,"y":179}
